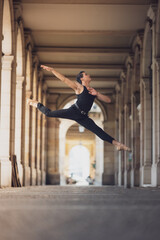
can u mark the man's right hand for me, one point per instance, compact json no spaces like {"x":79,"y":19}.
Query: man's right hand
{"x":49,"y":69}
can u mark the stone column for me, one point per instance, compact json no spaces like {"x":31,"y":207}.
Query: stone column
{"x":121,"y":127}
{"x":121,"y":153}
{"x":147,"y":137}
{"x":99,"y":151}
{"x":155,"y":109}
{"x":5,"y":121}
{"x":109,"y":127}
{"x":44,"y":139}
{"x":18,"y":125}
{"x":34,"y":160}
{"x":135,"y":141}
{"x":127,"y":167}
{"x":1,"y":37}
{"x":53,"y":175}
{"x":34,"y":147}
{"x":116,"y":154}
{"x":39,"y":130}
{"x":44,"y":150}
{"x":158,"y":120}
{"x":117,"y":164}
{"x":27,"y":155}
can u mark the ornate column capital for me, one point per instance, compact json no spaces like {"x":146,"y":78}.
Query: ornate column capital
{"x":19,"y":82}
{"x":123,"y":76}
{"x":127,"y":107}
{"x":40,"y":74}
{"x":35,"y":60}
{"x":157,"y":62}
{"x":44,"y":87}
{"x":129,"y":61}
{"x":117,"y":88}
{"x":152,"y":11}
{"x":145,"y":81}
{"x":28,"y":94}
{"x":17,"y":9}
{"x":7,"y":62}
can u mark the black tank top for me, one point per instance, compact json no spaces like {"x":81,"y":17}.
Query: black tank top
{"x":85,"y":100}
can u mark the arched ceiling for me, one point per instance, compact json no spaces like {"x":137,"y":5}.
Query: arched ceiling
{"x":91,"y":35}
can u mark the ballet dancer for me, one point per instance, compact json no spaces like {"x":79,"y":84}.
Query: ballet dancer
{"x":79,"y":110}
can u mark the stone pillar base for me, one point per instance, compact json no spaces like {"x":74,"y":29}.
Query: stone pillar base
{"x":146,"y":176}
{"x":33,"y":176}
{"x":154,"y":175}
{"x":116,"y":178}
{"x":98,"y":179}
{"x":132,"y":178}
{"x":5,"y":173}
{"x":53,"y":179}
{"x":43,"y":177}
{"x":125,"y":178}
{"x":122,"y":178}
{"x":26,"y":176}
{"x":108,"y":179}
{"x":158,"y":174}
{"x":39,"y":177}
{"x":20,"y":171}
{"x":119,"y":179}
{"x":136,"y":177}
{"x":128,"y":177}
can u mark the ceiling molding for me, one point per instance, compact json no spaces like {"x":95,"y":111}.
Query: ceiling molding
{"x":103,"y":51}
{"x":99,"y":2}
{"x":88,"y":32}
{"x":117,"y":67}
{"x":95,"y":78}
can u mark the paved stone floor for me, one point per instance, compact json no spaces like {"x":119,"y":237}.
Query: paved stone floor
{"x":79,"y":213}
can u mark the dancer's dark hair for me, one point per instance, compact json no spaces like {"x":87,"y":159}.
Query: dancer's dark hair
{"x":79,"y":76}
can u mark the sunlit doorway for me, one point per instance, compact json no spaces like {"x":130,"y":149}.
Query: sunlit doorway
{"x":79,"y":164}
{"x":70,"y":135}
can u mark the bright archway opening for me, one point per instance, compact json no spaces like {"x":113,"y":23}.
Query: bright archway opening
{"x":79,"y":164}
{"x":71,"y":135}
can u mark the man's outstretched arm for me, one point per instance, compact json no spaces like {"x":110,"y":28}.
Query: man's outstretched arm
{"x":61,"y":77}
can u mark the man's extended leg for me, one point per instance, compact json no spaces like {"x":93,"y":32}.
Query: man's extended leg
{"x":89,"y":124}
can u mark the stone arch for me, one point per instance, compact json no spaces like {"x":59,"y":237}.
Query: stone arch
{"x":147,"y":51}
{"x":7,"y":121}
{"x":137,"y":55}
{"x":129,"y":68}
{"x":27,"y":123}
{"x":20,"y":56}
{"x":35,"y":77}
{"x":7,"y":28}
{"x":63,"y":128}
{"x":28,"y":69}
{"x":158,"y":31}
{"x":20,"y":60}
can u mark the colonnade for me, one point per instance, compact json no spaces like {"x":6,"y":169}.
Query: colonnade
{"x":138,"y":109}
{"x":22,"y":128}
{"x":134,"y":118}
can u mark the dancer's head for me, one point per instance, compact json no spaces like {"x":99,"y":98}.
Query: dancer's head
{"x":83,"y":77}
{"x":79,"y":76}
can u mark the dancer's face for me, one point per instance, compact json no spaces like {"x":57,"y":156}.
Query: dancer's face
{"x":86,"y":77}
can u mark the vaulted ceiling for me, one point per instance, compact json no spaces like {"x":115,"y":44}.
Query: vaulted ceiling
{"x":91,"y":35}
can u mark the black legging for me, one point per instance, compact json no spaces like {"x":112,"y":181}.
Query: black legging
{"x":74,"y":114}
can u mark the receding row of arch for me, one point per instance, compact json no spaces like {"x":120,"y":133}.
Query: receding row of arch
{"x":138,"y":111}
{"x":20,"y":78}
{"x":23,"y":130}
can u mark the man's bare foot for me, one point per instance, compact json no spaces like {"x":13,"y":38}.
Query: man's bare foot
{"x":32,"y":102}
